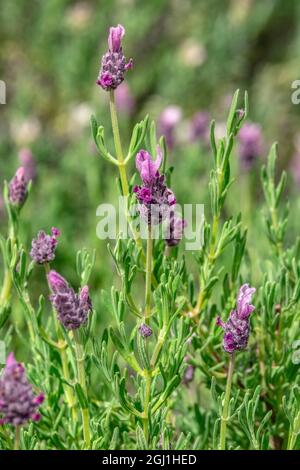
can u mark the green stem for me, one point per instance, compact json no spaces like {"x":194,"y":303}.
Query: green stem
{"x":7,"y":282}
{"x":70,"y":397}
{"x":6,"y":288}
{"x":81,"y":378}
{"x":157,"y":350}
{"x":279,"y":245}
{"x":148,"y":377}
{"x":294,"y":432}
{"x":224,"y":417}
{"x":148,"y":276}
{"x":17,"y":438}
{"x":118,"y":145}
{"x":208,"y":265}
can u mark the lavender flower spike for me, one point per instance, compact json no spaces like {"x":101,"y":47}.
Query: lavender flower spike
{"x":18,"y":188}
{"x":237,"y":328}
{"x":43,"y":247}
{"x":72,"y":309}
{"x":113,"y":64}
{"x":18,"y":404}
{"x":154,"y":197}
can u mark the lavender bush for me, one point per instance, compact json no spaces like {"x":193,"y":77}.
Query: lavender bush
{"x":213,"y":325}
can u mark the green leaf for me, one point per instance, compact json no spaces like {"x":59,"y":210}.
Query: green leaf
{"x":232,"y":113}
{"x":140,"y":438}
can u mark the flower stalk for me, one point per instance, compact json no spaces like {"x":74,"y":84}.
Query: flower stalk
{"x":148,"y":276}
{"x":225,"y":412}
{"x":81,"y":378}
{"x":17,"y":438}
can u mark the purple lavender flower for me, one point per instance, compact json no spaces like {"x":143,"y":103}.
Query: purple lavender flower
{"x":155,"y":198}
{"x":124,"y":99}
{"x":28,"y":163}
{"x":18,"y":404}
{"x":113,"y":64}
{"x":174,"y":232}
{"x":72,"y":309}
{"x":189,"y":372}
{"x":168,"y":120}
{"x":145,"y":330}
{"x":199,"y":127}
{"x":251,"y":144}
{"x":237,"y":328}
{"x":43,"y":247}
{"x":18,"y":188}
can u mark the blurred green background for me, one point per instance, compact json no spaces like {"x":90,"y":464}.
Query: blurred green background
{"x":189,"y":53}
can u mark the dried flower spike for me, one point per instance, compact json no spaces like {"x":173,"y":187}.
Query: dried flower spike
{"x":43,"y":247}
{"x":237,"y":328}
{"x":18,"y":188}
{"x":18,"y":404}
{"x":113,"y":64}
{"x":72,"y":309}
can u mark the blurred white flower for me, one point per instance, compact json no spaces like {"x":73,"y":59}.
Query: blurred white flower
{"x":78,"y":118}
{"x":79,"y":15}
{"x":25,"y":132}
{"x":220,"y":130}
{"x":192,"y":53}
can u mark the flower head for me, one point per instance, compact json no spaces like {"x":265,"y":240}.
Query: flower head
{"x":168,"y":120}
{"x":43,"y":247}
{"x":145,"y":330}
{"x":155,"y":198}
{"x":18,"y":188}
{"x":113,"y":64}
{"x":251,"y":144}
{"x":199,"y":127}
{"x":18,"y":404}
{"x":189,"y":372}
{"x":72,"y":309}
{"x":237,"y":328}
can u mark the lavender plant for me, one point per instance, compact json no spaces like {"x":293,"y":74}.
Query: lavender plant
{"x":184,"y":361}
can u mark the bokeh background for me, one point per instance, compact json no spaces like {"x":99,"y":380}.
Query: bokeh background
{"x":189,"y":57}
